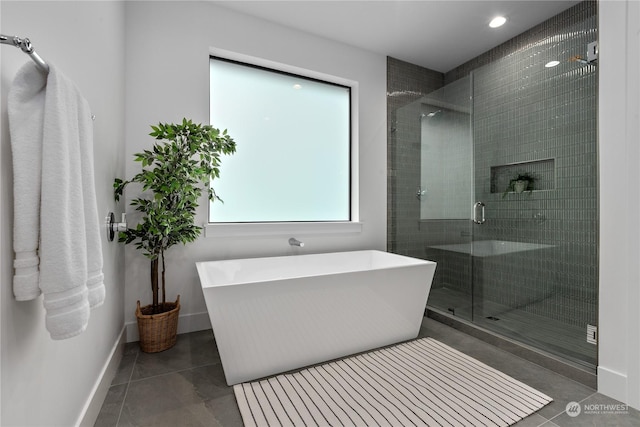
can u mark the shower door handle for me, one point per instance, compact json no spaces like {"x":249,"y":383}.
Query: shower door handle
{"x":478,"y":206}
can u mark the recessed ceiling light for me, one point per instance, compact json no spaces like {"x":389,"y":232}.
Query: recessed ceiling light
{"x":498,"y":21}
{"x":551,"y":64}
{"x":297,"y":86}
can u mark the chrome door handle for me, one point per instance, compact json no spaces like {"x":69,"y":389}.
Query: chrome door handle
{"x":479,"y":205}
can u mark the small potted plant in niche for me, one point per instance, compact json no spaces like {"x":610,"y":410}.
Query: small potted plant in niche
{"x":522,"y":182}
{"x":183,"y":160}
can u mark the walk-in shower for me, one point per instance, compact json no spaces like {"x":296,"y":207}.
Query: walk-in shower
{"x":517,"y":261}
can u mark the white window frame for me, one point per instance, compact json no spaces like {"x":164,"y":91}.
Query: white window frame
{"x":300,"y":228}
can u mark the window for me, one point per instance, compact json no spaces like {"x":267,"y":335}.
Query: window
{"x":293,"y":135}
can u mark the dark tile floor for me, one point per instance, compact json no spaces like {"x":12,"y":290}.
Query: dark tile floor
{"x":185,"y":386}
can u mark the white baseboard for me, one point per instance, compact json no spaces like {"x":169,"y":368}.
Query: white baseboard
{"x":94,"y":402}
{"x":612,"y":384}
{"x":186,"y":323}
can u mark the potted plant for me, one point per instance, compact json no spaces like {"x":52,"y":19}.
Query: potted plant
{"x":523,"y":181}
{"x":183,"y":160}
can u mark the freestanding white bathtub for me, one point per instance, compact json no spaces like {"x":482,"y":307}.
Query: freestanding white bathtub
{"x":271,"y":315}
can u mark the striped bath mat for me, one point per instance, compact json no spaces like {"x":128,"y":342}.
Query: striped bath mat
{"x":417,"y":383}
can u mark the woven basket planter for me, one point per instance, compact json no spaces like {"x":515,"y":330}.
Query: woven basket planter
{"x":158,"y":332}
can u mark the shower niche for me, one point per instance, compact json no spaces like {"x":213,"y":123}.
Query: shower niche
{"x":542,"y":170}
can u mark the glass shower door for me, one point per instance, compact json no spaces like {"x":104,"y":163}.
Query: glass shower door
{"x":514,"y":258}
{"x":535,"y":256}
{"x":445,"y":194}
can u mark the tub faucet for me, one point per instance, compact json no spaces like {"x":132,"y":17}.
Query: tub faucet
{"x":295,"y":242}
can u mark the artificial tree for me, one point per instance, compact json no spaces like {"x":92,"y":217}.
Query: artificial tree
{"x":182,"y":162}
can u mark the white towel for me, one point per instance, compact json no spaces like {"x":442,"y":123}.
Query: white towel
{"x":70,"y":249}
{"x":26,"y":121}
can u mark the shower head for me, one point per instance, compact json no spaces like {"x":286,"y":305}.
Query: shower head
{"x":431,"y":114}
{"x":581,"y":60}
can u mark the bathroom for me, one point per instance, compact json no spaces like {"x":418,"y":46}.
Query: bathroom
{"x":121,"y":53}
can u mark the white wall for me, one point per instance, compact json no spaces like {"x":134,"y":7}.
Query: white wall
{"x":167,"y":72}
{"x":619,"y":297}
{"x":46,"y":382}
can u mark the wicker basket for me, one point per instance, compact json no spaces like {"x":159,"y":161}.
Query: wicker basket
{"x":158,"y":332}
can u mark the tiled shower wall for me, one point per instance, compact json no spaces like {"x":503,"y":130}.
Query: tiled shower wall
{"x":523,"y":113}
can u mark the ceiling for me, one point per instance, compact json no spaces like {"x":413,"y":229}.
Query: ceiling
{"x":436,"y":34}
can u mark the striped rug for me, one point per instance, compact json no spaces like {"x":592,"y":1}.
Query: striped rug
{"x":417,"y":383}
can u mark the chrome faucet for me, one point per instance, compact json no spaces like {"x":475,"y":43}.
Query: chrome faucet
{"x":295,"y":242}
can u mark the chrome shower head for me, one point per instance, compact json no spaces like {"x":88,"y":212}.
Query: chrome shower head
{"x":431,"y":114}
{"x":579,"y":59}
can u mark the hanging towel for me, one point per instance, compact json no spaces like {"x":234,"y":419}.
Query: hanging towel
{"x":70,"y":247}
{"x":26,"y":121}
{"x":70,"y":251}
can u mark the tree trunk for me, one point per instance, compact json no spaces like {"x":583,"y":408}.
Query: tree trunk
{"x":154,"y":284}
{"x":164,"y":293}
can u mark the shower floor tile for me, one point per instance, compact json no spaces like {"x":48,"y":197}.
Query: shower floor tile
{"x":552,"y":336}
{"x":185,"y":385}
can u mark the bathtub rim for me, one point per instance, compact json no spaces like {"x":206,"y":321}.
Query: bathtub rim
{"x":406,"y":261}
